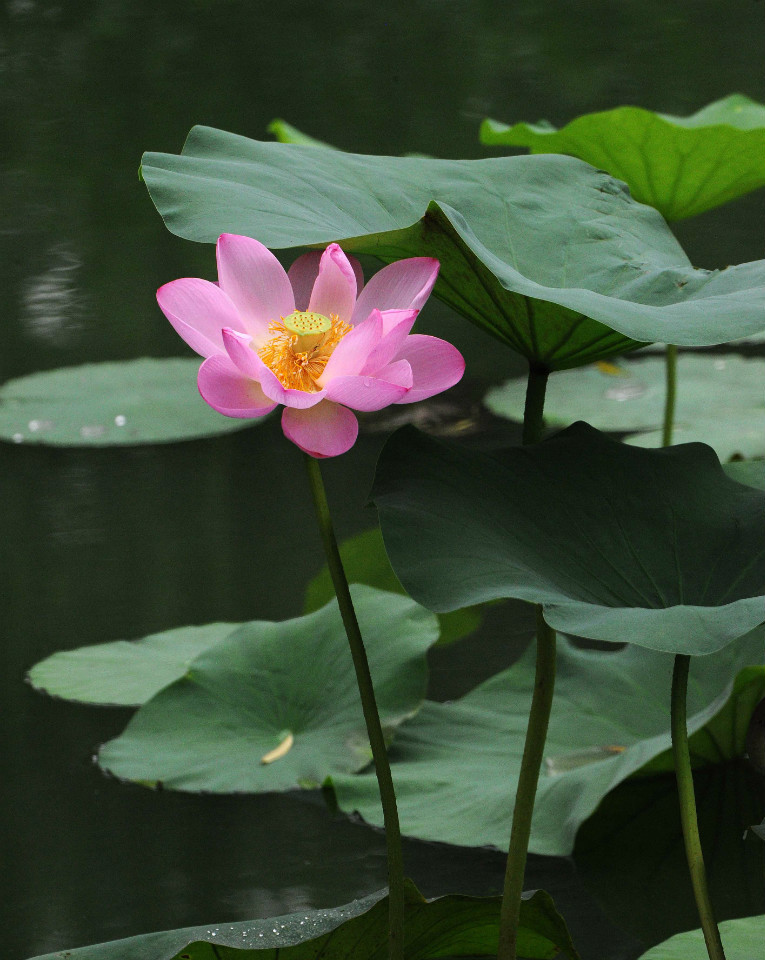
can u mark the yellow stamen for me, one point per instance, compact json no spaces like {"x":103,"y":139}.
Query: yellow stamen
{"x":300,"y":347}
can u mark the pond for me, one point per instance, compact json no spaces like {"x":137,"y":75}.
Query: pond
{"x":103,"y":544}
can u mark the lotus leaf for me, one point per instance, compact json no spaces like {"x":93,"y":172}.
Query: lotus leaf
{"x":544,"y":252}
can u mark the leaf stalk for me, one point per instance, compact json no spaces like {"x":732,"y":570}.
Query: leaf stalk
{"x":688,"y":817}
{"x":539,"y":717}
{"x":371,"y":713}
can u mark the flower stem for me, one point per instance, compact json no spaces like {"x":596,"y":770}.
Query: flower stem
{"x":539,"y":718}
{"x":371,"y":714}
{"x":533,"y":751}
{"x":688,"y":808}
{"x":670,"y":372}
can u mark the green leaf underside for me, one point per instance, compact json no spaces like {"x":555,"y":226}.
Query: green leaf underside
{"x":549,"y":255}
{"x":365,"y":561}
{"x":610,"y":720}
{"x":680,"y":165}
{"x":110,"y":404}
{"x":450,"y":926}
{"x":742,"y":940}
{"x":720,"y":401}
{"x":240,"y":699}
{"x":125,"y":673}
{"x":653,"y":547}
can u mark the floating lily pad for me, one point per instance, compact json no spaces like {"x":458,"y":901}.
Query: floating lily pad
{"x":742,"y":940}
{"x":652,"y":547}
{"x":453,"y":926}
{"x":720,"y":401}
{"x":283,"y":691}
{"x":366,"y":561}
{"x":680,"y":165}
{"x":544,"y":252}
{"x":610,"y":719}
{"x":110,"y":404}
{"x":125,"y":673}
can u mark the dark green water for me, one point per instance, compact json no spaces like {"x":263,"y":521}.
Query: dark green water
{"x":98,"y":545}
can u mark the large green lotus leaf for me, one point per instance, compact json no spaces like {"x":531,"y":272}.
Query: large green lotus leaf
{"x":742,"y":940}
{"x":680,"y":165}
{"x":546,"y":253}
{"x":125,"y":673}
{"x":638,"y":824}
{"x":720,"y":401}
{"x":450,"y":926}
{"x":271,"y":684}
{"x":653,"y":547}
{"x":366,"y":561}
{"x":610,"y":719}
{"x":110,"y":404}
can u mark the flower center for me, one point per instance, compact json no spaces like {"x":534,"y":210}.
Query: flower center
{"x":300,"y":346}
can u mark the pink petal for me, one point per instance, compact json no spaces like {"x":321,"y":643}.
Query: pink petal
{"x":334,"y":291}
{"x":436,"y":366}
{"x":396,"y":327}
{"x":255,"y":281}
{"x":248,"y":363}
{"x":198,"y":310}
{"x":225,"y":389}
{"x":399,"y":286}
{"x":305,"y":270}
{"x":352,"y":353}
{"x":372,"y":393}
{"x":324,"y":431}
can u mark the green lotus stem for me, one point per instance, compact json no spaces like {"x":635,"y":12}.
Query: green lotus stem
{"x":688,"y":817}
{"x":533,"y":411}
{"x":539,"y":718}
{"x":670,"y":371}
{"x":371,"y":714}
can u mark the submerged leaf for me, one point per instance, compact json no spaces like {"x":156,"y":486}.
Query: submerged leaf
{"x":680,"y":165}
{"x":652,"y":547}
{"x":110,"y":404}
{"x":238,"y":700}
{"x":450,"y":926}
{"x":549,"y":255}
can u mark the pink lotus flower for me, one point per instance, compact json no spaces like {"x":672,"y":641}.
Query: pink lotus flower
{"x":314,"y":339}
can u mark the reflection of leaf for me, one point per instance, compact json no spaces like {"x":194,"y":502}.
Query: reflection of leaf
{"x":720,"y":401}
{"x":125,"y":673}
{"x":453,"y":926}
{"x":610,"y":718}
{"x":243,"y":696}
{"x":652,"y":547}
{"x":742,"y":940}
{"x":630,"y":853}
{"x":110,"y":404}
{"x":365,"y":561}
{"x":545,"y":253}
{"x":680,"y":165}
